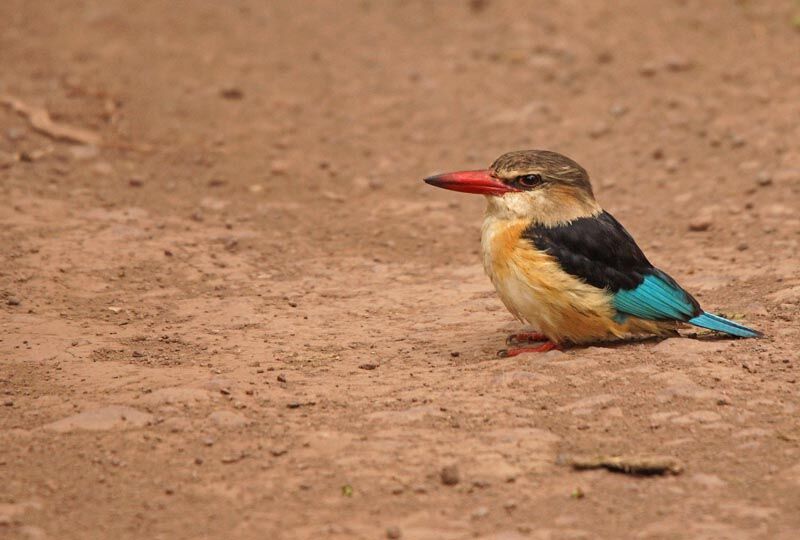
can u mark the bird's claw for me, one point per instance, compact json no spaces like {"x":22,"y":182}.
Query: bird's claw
{"x":544,"y":347}
{"x":525,"y":337}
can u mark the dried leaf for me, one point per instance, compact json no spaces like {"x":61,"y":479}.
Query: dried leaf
{"x":40,"y":120}
{"x":638,"y":465}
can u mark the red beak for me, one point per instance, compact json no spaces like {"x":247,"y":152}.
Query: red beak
{"x":480,"y":182}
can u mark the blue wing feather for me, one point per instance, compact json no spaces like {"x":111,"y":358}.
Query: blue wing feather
{"x":658,"y":297}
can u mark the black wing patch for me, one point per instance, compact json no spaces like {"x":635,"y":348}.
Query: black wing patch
{"x":596,"y":249}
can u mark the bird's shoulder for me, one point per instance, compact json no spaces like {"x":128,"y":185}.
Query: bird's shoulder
{"x":595,"y":248}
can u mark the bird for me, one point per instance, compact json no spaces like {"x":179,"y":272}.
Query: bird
{"x":565,"y":266}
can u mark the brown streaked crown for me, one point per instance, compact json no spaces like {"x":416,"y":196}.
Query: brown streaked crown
{"x":553,"y":168}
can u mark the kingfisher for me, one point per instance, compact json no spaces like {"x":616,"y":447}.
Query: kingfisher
{"x":565,"y":266}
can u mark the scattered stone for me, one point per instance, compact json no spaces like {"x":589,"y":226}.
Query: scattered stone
{"x":233,"y":458}
{"x":228,"y":419}
{"x":137,"y":354}
{"x":13,"y":301}
{"x":231,"y":92}
{"x":678,"y":63}
{"x":368,"y":366}
{"x":293,"y":405}
{"x":281,"y":378}
{"x":618,"y":110}
{"x":599,"y":130}
{"x":279,"y":167}
{"x":480,"y":513}
{"x":764,"y":179}
{"x":136,"y":181}
{"x":478,"y":6}
{"x":700,"y":223}
{"x":455,"y":354}
{"x":450,"y":475}
{"x":737,"y":141}
{"x":105,"y":418}
{"x":604,"y":57}
{"x":394,"y":533}
{"x":648,"y":69}
{"x":672,"y":166}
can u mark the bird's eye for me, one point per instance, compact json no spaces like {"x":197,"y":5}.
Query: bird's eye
{"x":530,"y":180}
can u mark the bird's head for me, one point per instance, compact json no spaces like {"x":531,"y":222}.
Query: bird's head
{"x":537,"y":185}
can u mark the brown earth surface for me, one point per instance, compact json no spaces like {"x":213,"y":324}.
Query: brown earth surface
{"x":241,"y":314}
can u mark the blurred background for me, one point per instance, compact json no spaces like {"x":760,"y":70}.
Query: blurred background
{"x":199,"y":196}
{"x":672,"y":106}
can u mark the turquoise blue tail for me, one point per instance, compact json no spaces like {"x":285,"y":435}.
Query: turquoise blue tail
{"x":721,"y":324}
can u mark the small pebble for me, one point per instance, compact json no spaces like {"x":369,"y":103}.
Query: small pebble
{"x":618,"y":110}
{"x":450,"y":475}
{"x":13,"y":301}
{"x":648,"y":69}
{"x":480,"y":512}
{"x":700,"y":224}
{"x":678,"y":63}
{"x":393,"y":533}
{"x":232,"y":93}
{"x":279,"y":167}
{"x":764,"y":179}
{"x":599,"y":130}
{"x":281,"y":378}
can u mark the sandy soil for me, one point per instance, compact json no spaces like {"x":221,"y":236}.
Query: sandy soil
{"x":243,"y":315}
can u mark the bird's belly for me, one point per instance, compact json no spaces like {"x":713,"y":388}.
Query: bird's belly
{"x":536,"y":290}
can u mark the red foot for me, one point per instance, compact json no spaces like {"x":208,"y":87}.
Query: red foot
{"x":544,"y":347}
{"x":525,"y":337}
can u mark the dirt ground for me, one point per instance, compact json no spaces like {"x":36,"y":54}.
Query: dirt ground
{"x":239,"y":313}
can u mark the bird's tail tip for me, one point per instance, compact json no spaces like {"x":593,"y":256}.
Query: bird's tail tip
{"x":721,"y":324}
